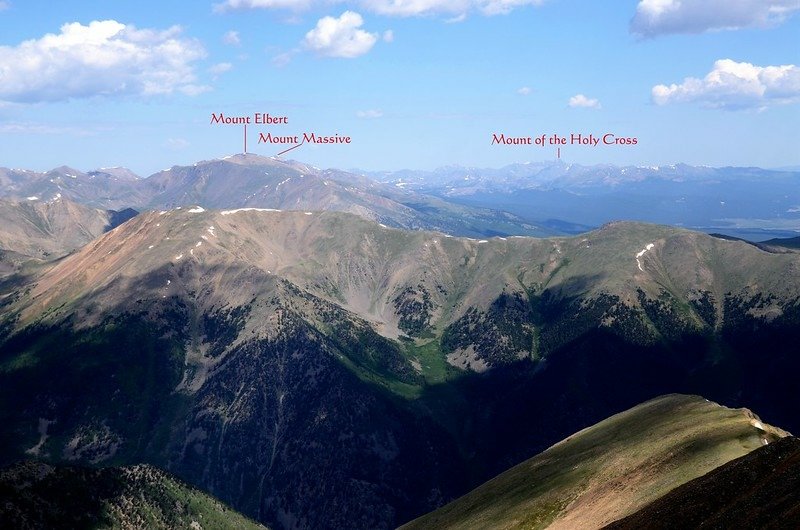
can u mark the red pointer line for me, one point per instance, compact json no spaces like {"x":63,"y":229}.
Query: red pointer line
{"x":559,"y":152}
{"x":295,"y":147}
{"x":245,"y":138}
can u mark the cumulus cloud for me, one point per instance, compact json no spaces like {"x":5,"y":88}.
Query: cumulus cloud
{"x":232,"y":38}
{"x":340,"y":37}
{"x":731,"y":85}
{"x":401,"y":8}
{"x":581,"y":101}
{"x":370,"y":114}
{"x":658,"y":17}
{"x":524,"y":91}
{"x":103,"y":58}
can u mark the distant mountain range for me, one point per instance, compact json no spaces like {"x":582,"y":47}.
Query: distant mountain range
{"x":259,"y":182}
{"x":752,"y":203}
{"x":540,"y":199}
{"x":319,"y":370}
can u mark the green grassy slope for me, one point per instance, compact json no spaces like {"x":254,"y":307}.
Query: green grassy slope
{"x":758,"y":490}
{"x":609,"y":470}
{"x":37,"y":495}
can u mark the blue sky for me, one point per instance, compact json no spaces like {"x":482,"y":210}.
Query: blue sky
{"x":414,"y":83}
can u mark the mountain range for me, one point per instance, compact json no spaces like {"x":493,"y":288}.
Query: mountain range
{"x":318,"y":358}
{"x":747,"y":202}
{"x":257,"y":353}
{"x":260,"y":182}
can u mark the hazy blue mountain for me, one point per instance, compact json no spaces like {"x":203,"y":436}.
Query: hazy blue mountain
{"x":752,"y":203}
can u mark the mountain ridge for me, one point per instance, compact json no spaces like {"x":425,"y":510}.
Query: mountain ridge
{"x":434,"y":362}
{"x":610,"y":469}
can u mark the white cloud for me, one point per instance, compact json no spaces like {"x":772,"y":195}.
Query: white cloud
{"x":658,"y":17}
{"x":340,"y":37}
{"x":103,"y":58}
{"x":220,"y":68}
{"x":525,"y":91}
{"x":232,"y":38}
{"x":370,"y":114}
{"x":231,"y":5}
{"x":457,"y":20}
{"x":4,"y":5}
{"x":459,"y":8}
{"x":731,"y":85}
{"x":581,"y":101}
{"x":402,"y":8}
{"x":503,"y":7}
{"x":40,"y":128}
{"x":176,"y":144}
{"x":282,"y":59}
{"x":388,"y":36}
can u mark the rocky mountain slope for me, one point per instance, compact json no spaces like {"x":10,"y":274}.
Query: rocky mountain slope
{"x":38,"y":495}
{"x":52,"y":229}
{"x":107,"y":188}
{"x":318,"y":370}
{"x":611,"y":469}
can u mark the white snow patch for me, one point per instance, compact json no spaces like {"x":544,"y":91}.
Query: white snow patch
{"x":179,"y":257}
{"x":642,"y":253}
{"x":33,"y":198}
{"x":204,"y":238}
{"x":151,"y":246}
{"x":229,"y":212}
{"x":281,"y":183}
{"x":43,"y":426}
{"x":483,"y":241}
{"x":199,"y":243}
{"x":309,"y":213}
{"x":383,"y":226}
{"x":162,"y":212}
{"x":197,"y":209}
{"x":757,"y":424}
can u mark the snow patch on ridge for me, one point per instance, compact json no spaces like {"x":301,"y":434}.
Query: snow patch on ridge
{"x":229,"y":212}
{"x":642,"y":253}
